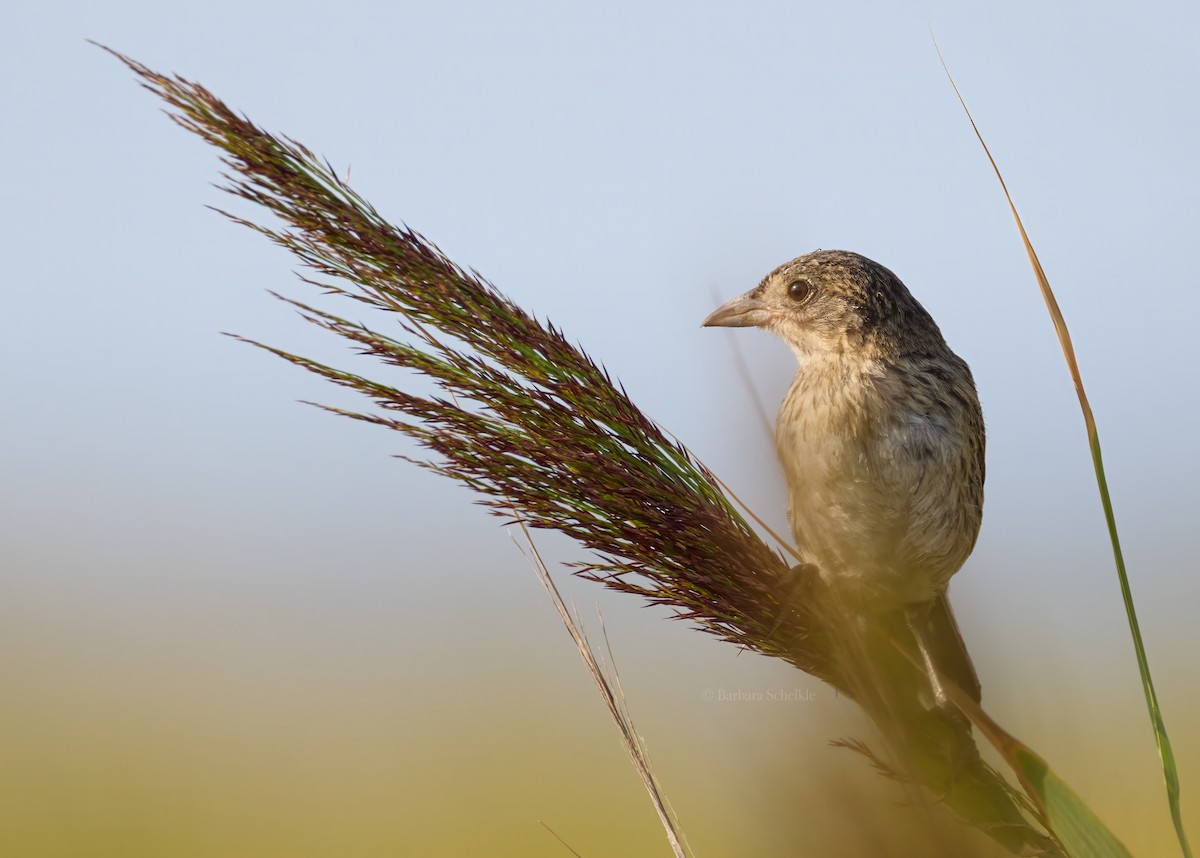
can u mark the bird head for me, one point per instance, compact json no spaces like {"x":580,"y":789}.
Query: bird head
{"x":834,"y":301}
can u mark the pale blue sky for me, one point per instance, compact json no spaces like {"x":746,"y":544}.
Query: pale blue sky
{"x":612,"y":167}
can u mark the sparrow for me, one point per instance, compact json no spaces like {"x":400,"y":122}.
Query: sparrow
{"x":881,"y":440}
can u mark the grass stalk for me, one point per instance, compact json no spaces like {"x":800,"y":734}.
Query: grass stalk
{"x":1161,"y":739}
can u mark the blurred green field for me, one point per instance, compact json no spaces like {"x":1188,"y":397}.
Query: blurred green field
{"x":204,"y":736}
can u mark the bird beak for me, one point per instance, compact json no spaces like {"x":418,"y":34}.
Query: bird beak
{"x":745,"y":311}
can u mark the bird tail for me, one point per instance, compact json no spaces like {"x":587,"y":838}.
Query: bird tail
{"x":939,"y":633}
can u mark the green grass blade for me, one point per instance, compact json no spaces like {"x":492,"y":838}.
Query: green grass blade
{"x":1079,"y":830}
{"x":1059,"y":808}
{"x":1167,"y":756}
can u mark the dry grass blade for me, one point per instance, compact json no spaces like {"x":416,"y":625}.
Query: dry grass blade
{"x":614,"y":699}
{"x":554,"y":834}
{"x":1167,"y":756}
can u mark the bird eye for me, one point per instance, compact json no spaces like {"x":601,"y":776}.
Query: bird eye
{"x":800,"y":290}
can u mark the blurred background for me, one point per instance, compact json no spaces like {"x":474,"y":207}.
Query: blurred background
{"x":232,"y":625}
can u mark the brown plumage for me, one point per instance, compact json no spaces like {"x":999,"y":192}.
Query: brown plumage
{"x":881,"y":439}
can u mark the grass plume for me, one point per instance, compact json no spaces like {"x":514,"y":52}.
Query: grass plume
{"x":547,"y":435}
